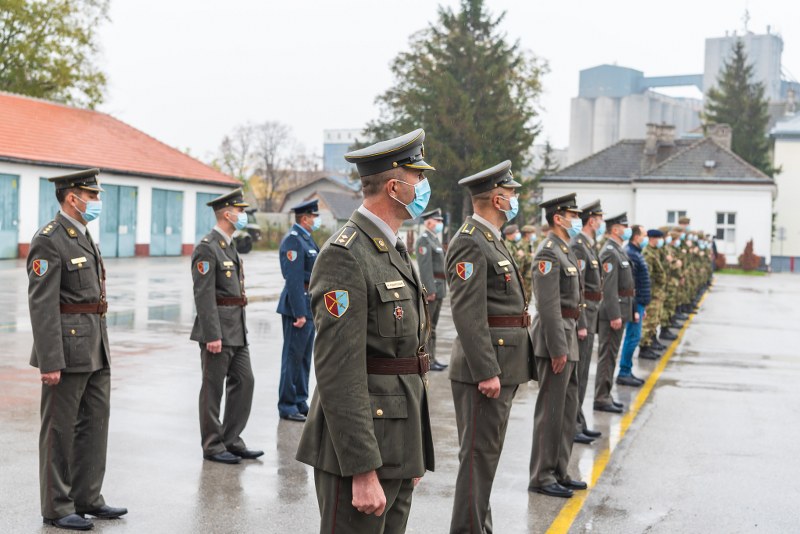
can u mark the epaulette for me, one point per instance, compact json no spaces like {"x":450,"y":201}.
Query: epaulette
{"x":48,"y":229}
{"x":549,"y":244}
{"x":293,"y":232}
{"x":346,"y":237}
{"x":467,"y":229}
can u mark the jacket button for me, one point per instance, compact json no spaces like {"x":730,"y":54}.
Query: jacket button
{"x":72,"y":331}
{"x":396,"y":295}
{"x":501,"y":342}
{"x":379,"y":412}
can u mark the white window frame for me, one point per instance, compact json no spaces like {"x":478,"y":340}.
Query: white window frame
{"x":675,"y":215}
{"x":725,"y":232}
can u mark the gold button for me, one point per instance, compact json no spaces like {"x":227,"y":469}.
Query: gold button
{"x":501,"y":342}
{"x":506,"y":268}
{"x":396,"y":295}
{"x":72,"y":331}
{"x":379,"y":412}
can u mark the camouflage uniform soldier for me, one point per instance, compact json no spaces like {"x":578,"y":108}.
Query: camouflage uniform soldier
{"x":524,"y":257}
{"x":674,"y":269}
{"x":653,"y":255}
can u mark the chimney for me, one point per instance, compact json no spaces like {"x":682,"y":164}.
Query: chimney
{"x":651,"y":140}
{"x":665,"y":133}
{"x":720,"y":134}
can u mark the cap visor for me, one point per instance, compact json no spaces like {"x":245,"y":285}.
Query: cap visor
{"x":93,"y":189}
{"x":512,"y":184}
{"x":421,"y":165}
{"x":241,"y":205}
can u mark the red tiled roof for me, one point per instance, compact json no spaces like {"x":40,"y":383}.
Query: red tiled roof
{"x":39,"y":131}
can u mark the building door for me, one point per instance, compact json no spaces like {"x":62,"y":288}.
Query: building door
{"x":204,"y":216}
{"x":166,"y":223}
{"x":118,"y":221}
{"x":48,"y":204}
{"x":9,"y":216}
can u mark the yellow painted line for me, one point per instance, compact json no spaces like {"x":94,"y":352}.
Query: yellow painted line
{"x":563,"y":521}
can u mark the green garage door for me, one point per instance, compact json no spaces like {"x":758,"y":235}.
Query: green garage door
{"x":9,"y":216}
{"x":204,"y":219}
{"x":48,"y":205}
{"x":118,"y":221}
{"x":166,"y":223}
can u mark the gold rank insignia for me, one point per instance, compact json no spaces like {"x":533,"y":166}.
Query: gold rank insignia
{"x":72,"y":232}
{"x":489,"y":236}
{"x":346,"y":236}
{"x":564,"y":248}
{"x":222,"y":243}
{"x":380,"y":244}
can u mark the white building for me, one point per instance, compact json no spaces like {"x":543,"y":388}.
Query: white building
{"x":786,"y":247}
{"x":155,"y":195}
{"x":658,"y":179}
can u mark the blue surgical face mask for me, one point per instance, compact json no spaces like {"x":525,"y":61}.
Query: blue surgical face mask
{"x":438,"y":228}
{"x":627,"y":233}
{"x":668,"y":239}
{"x":683,"y":235}
{"x":241,"y":221}
{"x":316,"y":224}
{"x":575,"y":227}
{"x":532,"y":238}
{"x":517,"y":237}
{"x":644,"y":243}
{"x":93,"y":209}
{"x":601,"y":231}
{"x":688,"y":228}
{"x":422,"y":194}
{"x":660,"y":242}
{"x":514,"y":203}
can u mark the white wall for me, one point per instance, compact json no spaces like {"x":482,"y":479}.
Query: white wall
{"x":647,"y":204}
{"x":787,"y":157}
{"x":29,"y":199}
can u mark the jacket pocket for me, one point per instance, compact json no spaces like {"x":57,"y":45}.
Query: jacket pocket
{"x":76,"y":339}
{"x":78,"y":275}
{"x":389,"y":415}
{"x":394,"y":304}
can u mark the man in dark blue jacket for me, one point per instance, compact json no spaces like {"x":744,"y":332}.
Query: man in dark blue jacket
{"x":633,"y":330}
{"x":297,"y":255}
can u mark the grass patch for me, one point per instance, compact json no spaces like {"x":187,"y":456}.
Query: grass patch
{"x":741,"y":272}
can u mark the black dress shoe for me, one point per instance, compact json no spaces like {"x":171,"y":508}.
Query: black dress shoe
{"x":611,"y":408}
{"x":223,"y":458}
{"x":70,"y":522}
{"x":617,"y":404}
{"x":631,"y":381}
{"x":655,"y":345}
{"x":436,"y":366}
{"x":300,"y":418}
{"x":248,"y":454}
{"x":667,"y":335}
{"x":105,"y":512}
{"x":592,"y":433}
{"x":574,"y":484}
{"x":681,"y":316}
{"x":303,"y":411}
{"x":580,"y":437}
{"x":553,"y":490}
{"x":649,"y":354}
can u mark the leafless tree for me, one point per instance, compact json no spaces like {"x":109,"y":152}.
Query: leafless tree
{"x":272,"y":157}
{"x":236,"y":152}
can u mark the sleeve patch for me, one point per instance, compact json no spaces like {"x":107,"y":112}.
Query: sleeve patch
{"x":608,"y":267}
{"x":423,"y":250}
{"x":291,"y":255}
{"x":582,"y":265}
{"x":545,"y":267}
{"x":337,"y":302}
{"x":39,"y":267}
{"x":202,"y":267}
{"x":464,"y":270}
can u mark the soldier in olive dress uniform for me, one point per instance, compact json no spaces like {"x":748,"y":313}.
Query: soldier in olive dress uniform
{"x":430,"y":260}
{"x":368,"y":432}
{"x":221,"y":331}
{"x":492,"y":354}
{"x":67,"y":301}
{"x":558,"y":291}
{"x":584,"y":246}
{"x":616,"y":310}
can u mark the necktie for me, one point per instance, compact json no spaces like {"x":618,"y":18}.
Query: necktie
{"x":401,"y":248}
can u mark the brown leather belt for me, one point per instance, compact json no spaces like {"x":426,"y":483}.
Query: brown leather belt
{"x":595,"y":296}
{"x":570,"y":313}
{"x":86,"y":307}
{"x":627,"y":292}
{"x":509,"y":321}
{"x":440,"y":276}
{"x":417,"y":365}
{"x":305,"y":286}
{"x":232,"y":301}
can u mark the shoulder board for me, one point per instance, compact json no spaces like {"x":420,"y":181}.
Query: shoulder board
{"x":549,"y":244}
{"x":48,"y":228}
{"x":205,"y":240}
{"x":346,"y":237}
{"x":467,"y":229}
{"x":293,"y":232}
{"x":609,"y":247}
{"x":489,"y":236}
{"x":380,"y":244}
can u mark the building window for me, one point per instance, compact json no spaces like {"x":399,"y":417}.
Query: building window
{"x":674,"y":215}
{"x":726,"y":227}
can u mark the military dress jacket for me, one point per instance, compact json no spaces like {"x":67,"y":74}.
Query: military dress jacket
{"x":367,"y":301}
{"x":65,"y":267}
{"x":558,"y":293}
{"x":430,"y":260}
{"x":618,"y":285}
{"x":484,"y":281}
{"x":218,"y":271}
{"x":298,"y":252}
{"x":592,"y":276}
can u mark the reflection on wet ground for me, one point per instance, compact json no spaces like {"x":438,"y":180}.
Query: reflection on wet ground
{"x":719,"y":397}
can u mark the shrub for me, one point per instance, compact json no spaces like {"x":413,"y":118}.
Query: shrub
{"x":748,"y":260}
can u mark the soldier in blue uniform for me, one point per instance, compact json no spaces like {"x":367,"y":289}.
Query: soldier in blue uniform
{"x":297,"y":254}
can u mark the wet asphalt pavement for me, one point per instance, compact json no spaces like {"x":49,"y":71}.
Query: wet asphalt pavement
{"x":711,"y":450}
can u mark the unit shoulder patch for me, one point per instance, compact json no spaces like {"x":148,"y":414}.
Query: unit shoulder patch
{"x":39,"y":267}
{"x":608,"y":267}
{"x":345,"y":237}
{"x":422,"y":250}
{"x":545,"y":266}
{"x":202,"y":267}
{"x":464,"y":270}
{"x":582,"y":265}
{"x":291,"y":255}
{"x":337,"y":302}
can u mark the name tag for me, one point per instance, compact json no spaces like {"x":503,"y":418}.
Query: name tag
{"x":625,"y":263}
{"x":439,"y":249}
{"x":503,"y":263}
{"x":594,"y":263}
{"x":76,"y":261}
{"x":572,"y":270}
{"x":227,"y":263}
{"x":312,"y":252}
{"x":395,"y":284}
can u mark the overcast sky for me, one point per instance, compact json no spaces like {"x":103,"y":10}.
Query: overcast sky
{"x":188,"y":71}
